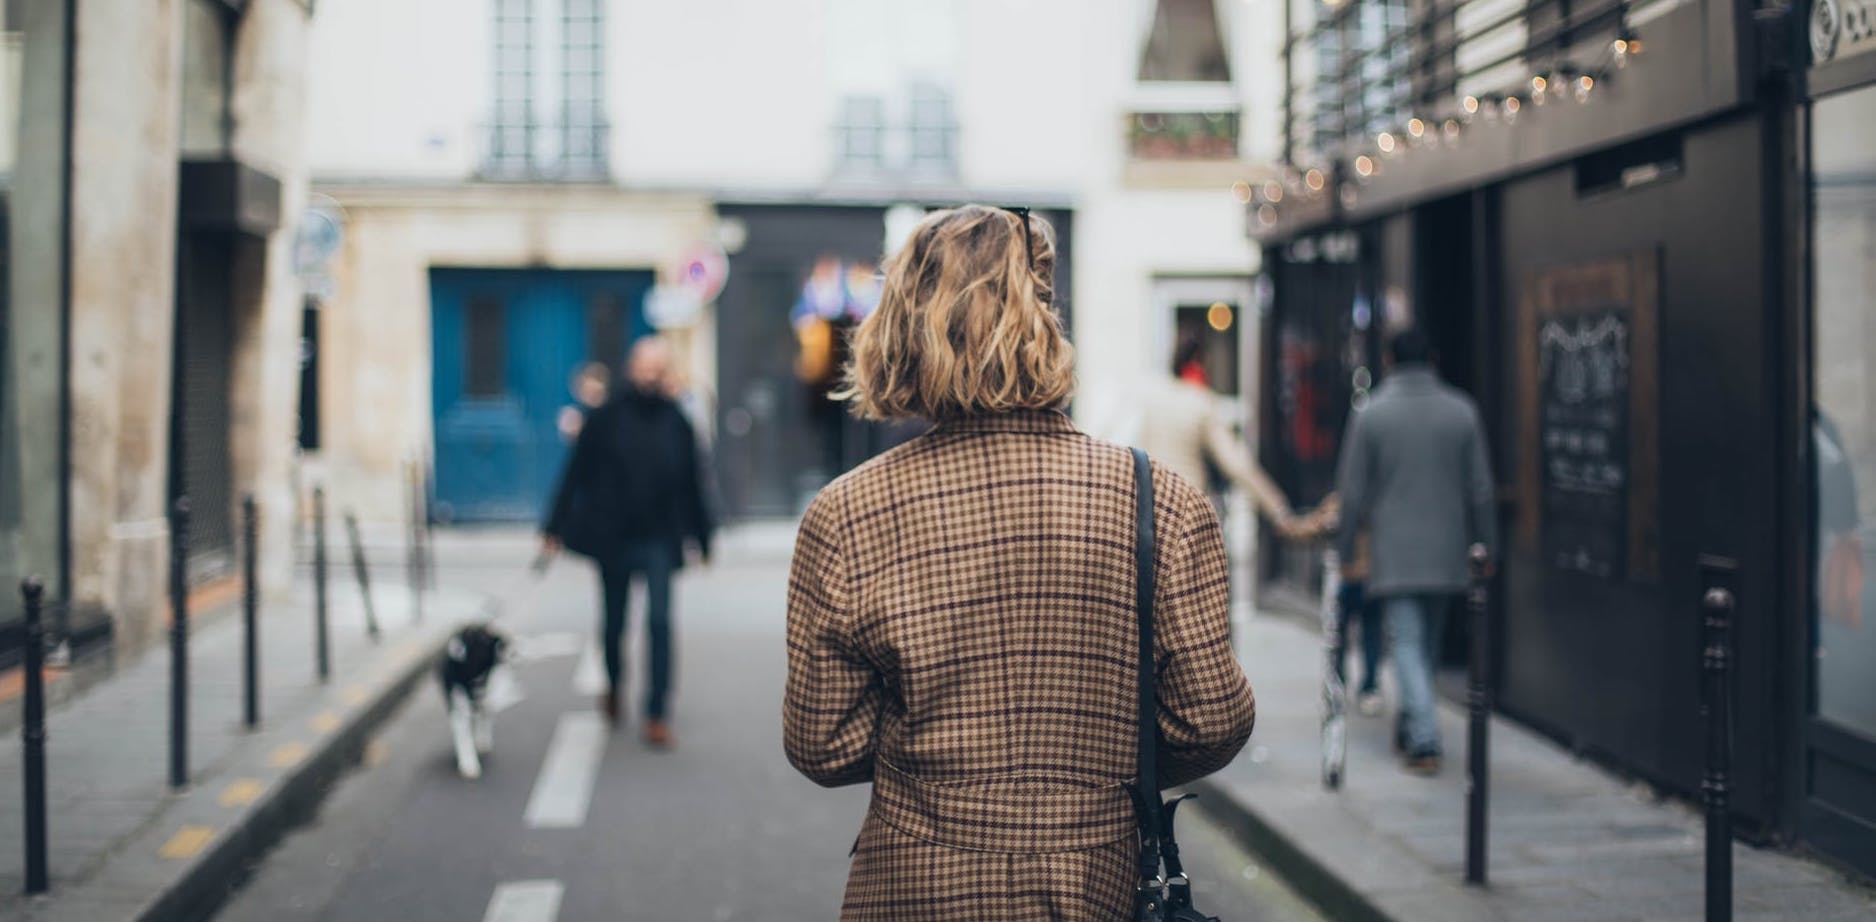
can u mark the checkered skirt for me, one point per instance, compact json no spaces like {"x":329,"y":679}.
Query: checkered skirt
{"x":961,"y":634}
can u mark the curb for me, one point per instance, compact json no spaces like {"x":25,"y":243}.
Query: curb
{"x":290,"y":800}
{"x":1315,"y":880}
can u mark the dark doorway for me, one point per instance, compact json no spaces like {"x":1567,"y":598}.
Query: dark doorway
{"x":201,"y":462}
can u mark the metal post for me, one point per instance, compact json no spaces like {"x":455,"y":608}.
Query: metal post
{"x":1478,"y":716}
{"x":1717,"y":602}
{"x":250,"y":611}
{"x":364,"y":577}
{"x":320,"y":633}
{"x":179,"y":644}
{"x":413,"y":550}
{"x":33,"y":735}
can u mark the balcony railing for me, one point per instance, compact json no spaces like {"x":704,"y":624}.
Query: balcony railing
{"x":1361,"y":69}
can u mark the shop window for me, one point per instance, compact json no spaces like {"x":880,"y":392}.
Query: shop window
{"x":486,"y":346}
{"x":1843,"y":424}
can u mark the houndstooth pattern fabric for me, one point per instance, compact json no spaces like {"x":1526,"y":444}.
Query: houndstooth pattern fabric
{"x":961,"y":633}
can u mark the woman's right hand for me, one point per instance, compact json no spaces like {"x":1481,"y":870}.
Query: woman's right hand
{"x":550,"y":545}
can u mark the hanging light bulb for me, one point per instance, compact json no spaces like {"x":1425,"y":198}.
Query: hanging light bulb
{"x":1539,"y":85}
{"x":1241,"y":191}
{"x":1416,"y":128}
{"x":1364,"y":166}
{"x":1314,"y":180}
{"x":1267,"y":215}
{"x":1625,"y":47}
{"x":1450,"y":129}
{"x":1470,"y":105}
{"x":1512,"y":107}
{"x":1584,"y":84}
{"x":1273,"y":190}
{"x":1386,"y":142}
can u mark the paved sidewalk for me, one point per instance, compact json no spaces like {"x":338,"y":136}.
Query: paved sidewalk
{"x":123,"y":846}
{"x":1568,"y":842}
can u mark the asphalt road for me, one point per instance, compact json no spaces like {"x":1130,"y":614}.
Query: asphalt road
{"x":718,"y":828}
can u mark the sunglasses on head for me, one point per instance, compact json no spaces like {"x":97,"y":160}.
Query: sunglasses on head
{"x":1022,"y":217}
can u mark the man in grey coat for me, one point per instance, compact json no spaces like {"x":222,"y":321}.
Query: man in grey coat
{"x":1416,"y":475}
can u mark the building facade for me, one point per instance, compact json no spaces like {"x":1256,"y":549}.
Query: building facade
{"x":1634,"y":232}
{"x":149,"y":328}
{"x":792,"y":141}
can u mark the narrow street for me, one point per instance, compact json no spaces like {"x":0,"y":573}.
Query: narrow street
{"x":571,"y":824}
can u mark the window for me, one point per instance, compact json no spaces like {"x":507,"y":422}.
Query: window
{"x":934,"y":133}
{"x":1185,"y":44}
{"x":1843,"y":423}
{"x":862,"y":131}
{"x":485,"y":372}
{"x":583,"y":92}
{"x":549,"y":119}
{"x":511,"y":132}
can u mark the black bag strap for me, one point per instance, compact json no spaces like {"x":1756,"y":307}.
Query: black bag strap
{"x":1156,"y":897}
{"x":1146,"y":796}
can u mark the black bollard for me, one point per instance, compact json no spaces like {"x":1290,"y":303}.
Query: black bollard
{"x":250,"y":614}
{"x":321,"y":644}
{"x":179,"y":644}
{"x":1717,"y":601}
{"x":33,"y":735}
{"x":364,"y":577}
{"x":1478,"y":715}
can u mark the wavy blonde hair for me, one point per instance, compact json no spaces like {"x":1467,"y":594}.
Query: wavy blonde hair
{"x":965,"y":325}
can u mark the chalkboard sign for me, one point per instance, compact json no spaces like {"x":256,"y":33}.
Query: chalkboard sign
{"x":1583,"y":439}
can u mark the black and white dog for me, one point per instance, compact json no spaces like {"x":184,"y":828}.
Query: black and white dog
{"x":469,"y":659}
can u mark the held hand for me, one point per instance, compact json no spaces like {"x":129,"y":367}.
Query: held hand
{"x":550,"y":545}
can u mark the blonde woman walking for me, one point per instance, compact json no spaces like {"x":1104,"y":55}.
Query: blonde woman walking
{"x":961,"y":611}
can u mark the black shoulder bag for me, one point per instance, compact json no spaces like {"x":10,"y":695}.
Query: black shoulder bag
{"x":1157,"y":897}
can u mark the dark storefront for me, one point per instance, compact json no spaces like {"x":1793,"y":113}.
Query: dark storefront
{"x":1618,"y":275}
{"x":796,"y":286}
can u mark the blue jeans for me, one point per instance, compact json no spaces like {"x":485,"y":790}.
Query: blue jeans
{"x":651,"y":561}
{"x":1355,"y":606}
{"x":1414,"y":623}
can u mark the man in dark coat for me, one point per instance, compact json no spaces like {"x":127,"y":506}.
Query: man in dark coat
{"x":1415,"y":473}
{"x":629,"y":498}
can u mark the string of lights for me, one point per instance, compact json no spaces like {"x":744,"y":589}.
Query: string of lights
{"x":1353,"y":163}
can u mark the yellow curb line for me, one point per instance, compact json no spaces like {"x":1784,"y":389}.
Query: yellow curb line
{"x":376,"y":752}
{"x":187,"y":842}
{"x":325,"y":722}
{"x":286,"y":754}
{"x":240,"y":792}
{"x":354,"y":695}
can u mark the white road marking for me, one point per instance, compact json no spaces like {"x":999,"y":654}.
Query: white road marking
{"x":589,"y":677}
{"x":564,"y":788}
{"x":525,"y":901}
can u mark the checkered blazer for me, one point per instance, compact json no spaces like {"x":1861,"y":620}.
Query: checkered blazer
{"x":961,"y":633}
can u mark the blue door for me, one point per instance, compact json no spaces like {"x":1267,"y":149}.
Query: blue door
{"x":506,"y":344}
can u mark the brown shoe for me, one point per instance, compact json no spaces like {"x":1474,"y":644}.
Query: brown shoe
{"x":609,"y":706}
{"x":657,"y":734}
